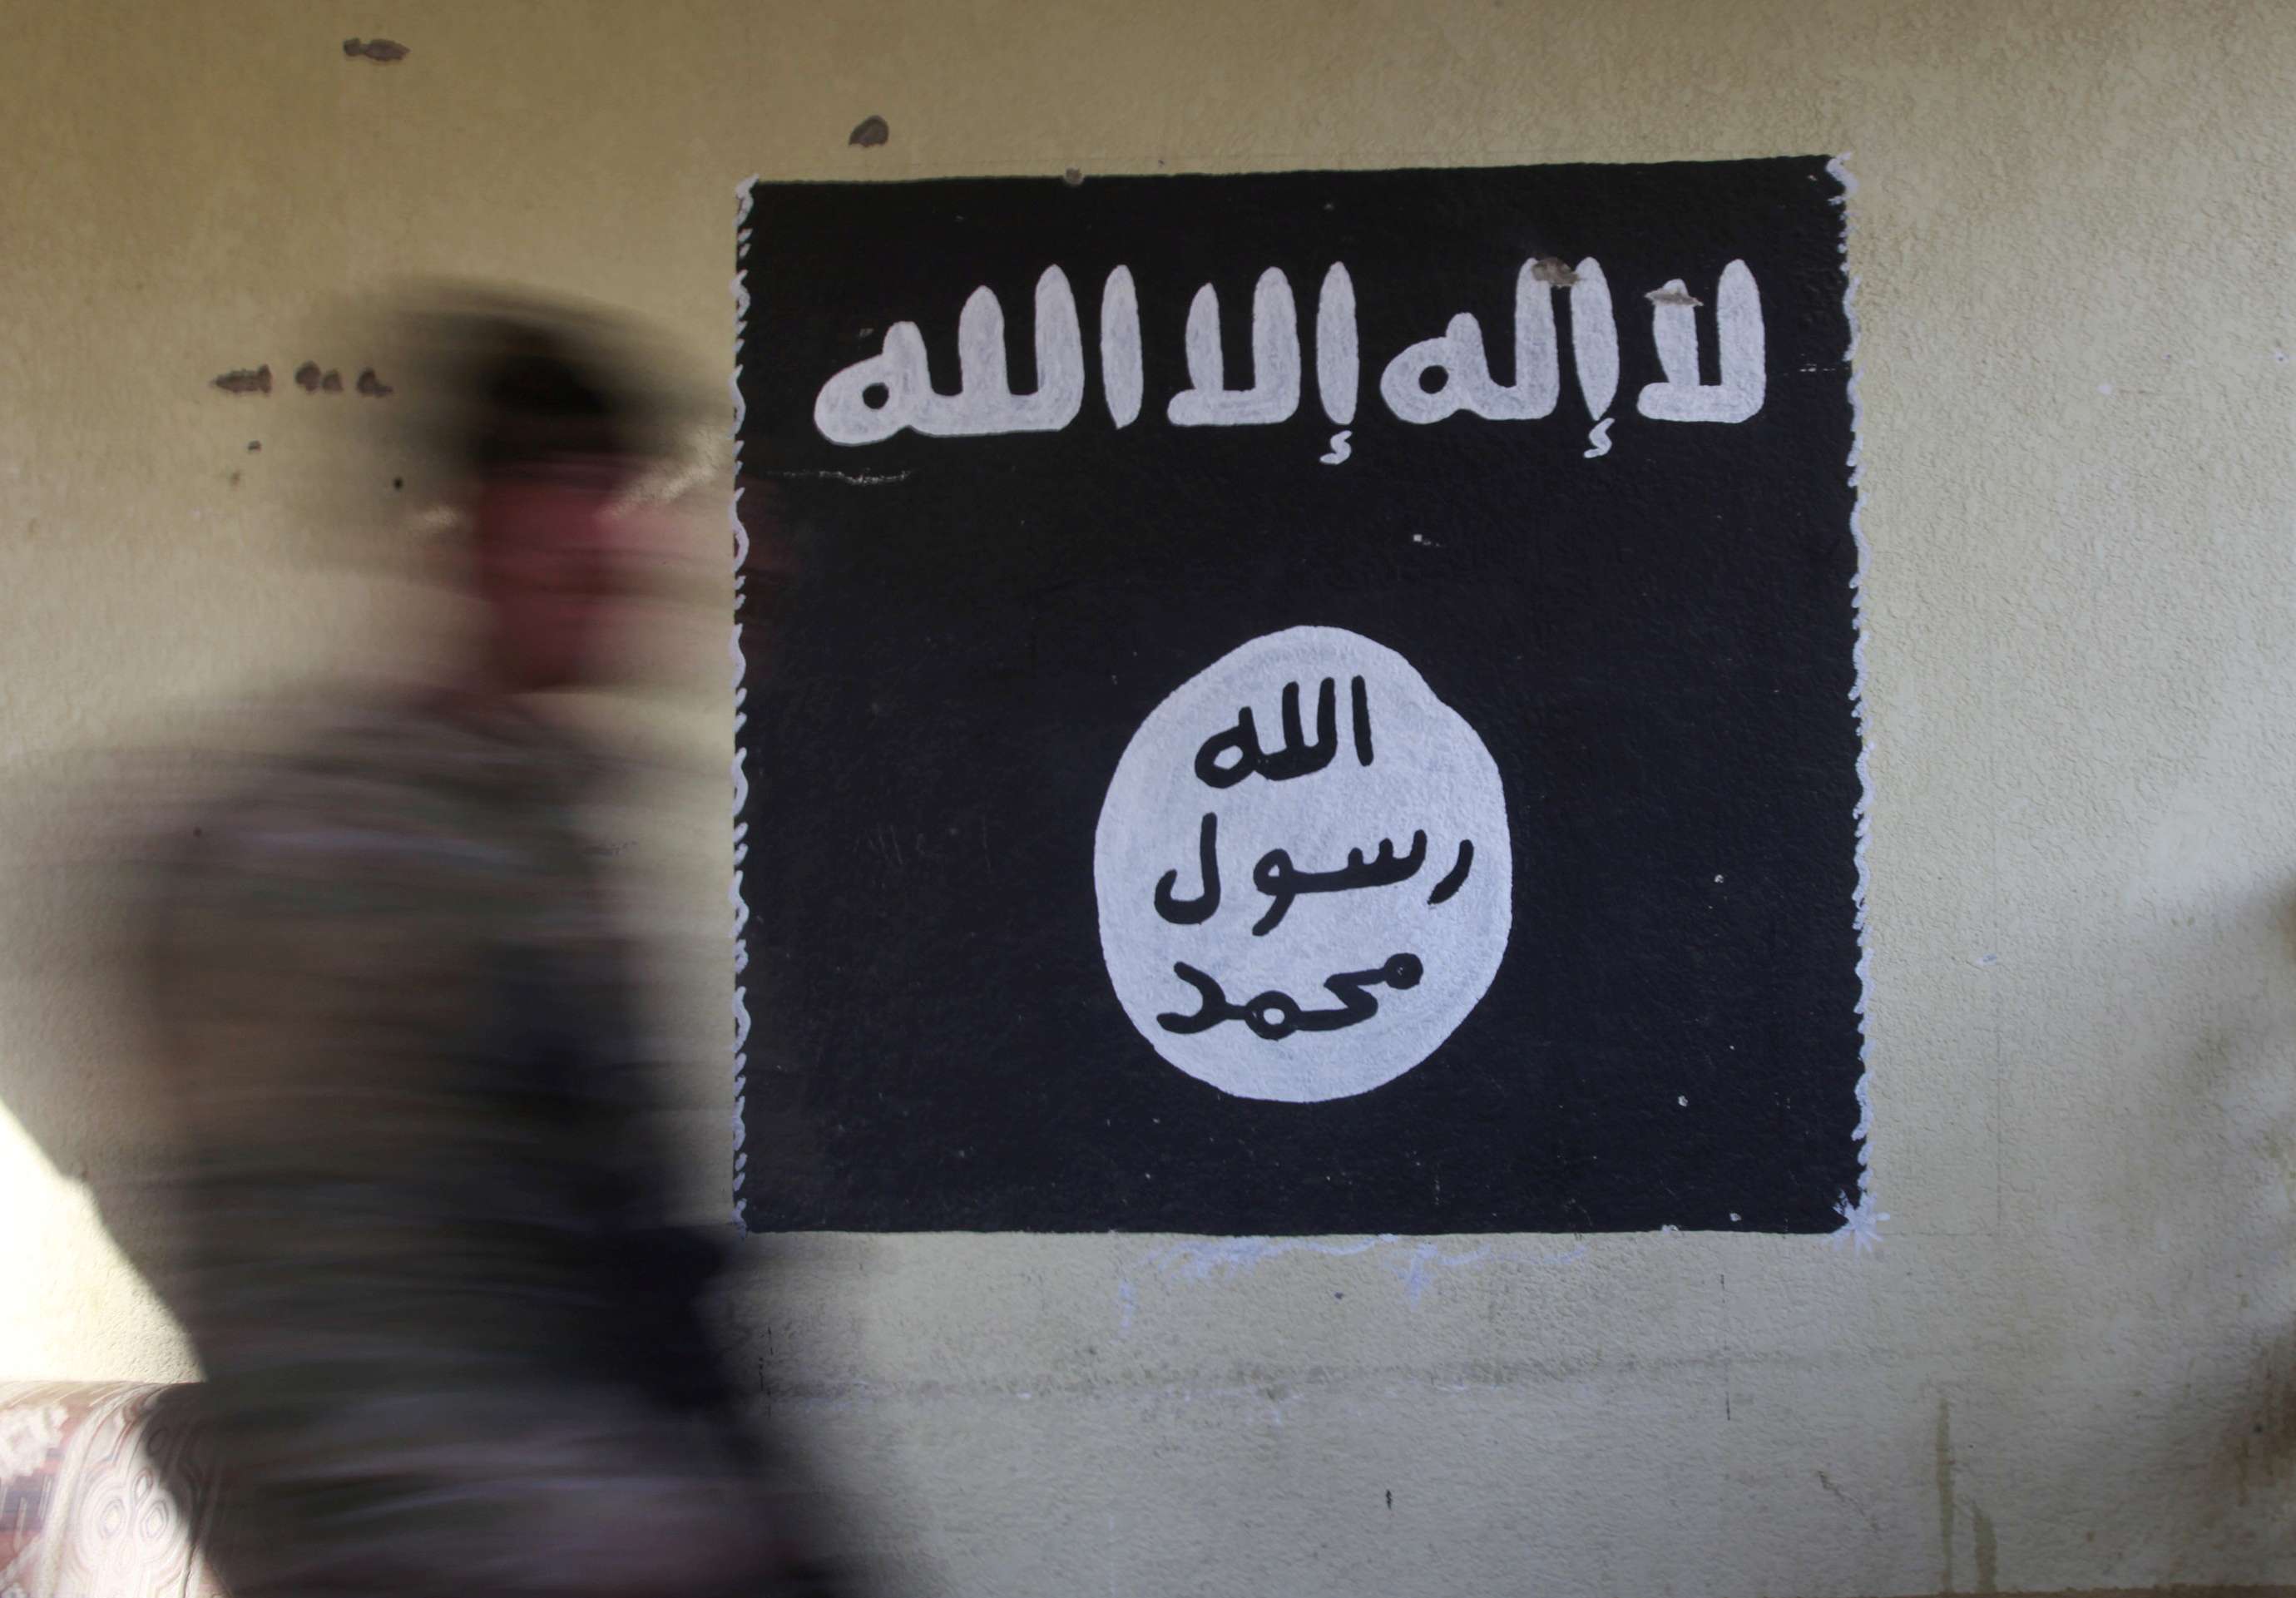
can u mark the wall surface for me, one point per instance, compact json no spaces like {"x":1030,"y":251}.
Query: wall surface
{"x":2068,"y":1362}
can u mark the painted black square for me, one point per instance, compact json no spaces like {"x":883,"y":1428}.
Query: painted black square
{"x":949,"y":642}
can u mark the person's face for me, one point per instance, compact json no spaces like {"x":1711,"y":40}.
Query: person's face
{"x":552,"y":570}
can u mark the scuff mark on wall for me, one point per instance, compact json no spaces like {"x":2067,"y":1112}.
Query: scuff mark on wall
{"x":373,"y":386}
{"x":380,"y":51}
{"x":1417,"y":1270}
{"x":307,"y":377}
{"x":243,"y":381}
{"x":859,"y":479}
{"x":1231,"y":1255}
{"x":1278,"y":1387}
{"x":869,"y":133}
{"x":1989,"y":1551}
{"x":1826,"y":1482}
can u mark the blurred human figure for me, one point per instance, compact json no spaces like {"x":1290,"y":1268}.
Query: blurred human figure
{"x":452,"y":1343}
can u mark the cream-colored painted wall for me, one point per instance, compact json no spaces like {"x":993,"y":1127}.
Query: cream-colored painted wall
{"x":2072,"y":1360}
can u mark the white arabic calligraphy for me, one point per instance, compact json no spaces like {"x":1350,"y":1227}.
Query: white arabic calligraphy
{"x":1429,"y":381}
{"x":1335,"y":345}
{"x":1594,"y":338}
{"x":984,"y":402}
{"x":1467,"y":384}
{"x":1119,"y":346}
{"x":1738,"y":327}
{"x":1275,"y":391}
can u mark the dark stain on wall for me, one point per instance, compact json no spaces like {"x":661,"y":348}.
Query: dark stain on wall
{"x":869,"y":133}
{"x":243,"y":381}
{"x":313,"y":379}
{"x":382,"y":51}
{"x":1988,"y":1551}
{"x":1945,"y":1485}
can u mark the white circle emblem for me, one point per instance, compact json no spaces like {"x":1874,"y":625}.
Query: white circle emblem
{"x":1304,"y":871}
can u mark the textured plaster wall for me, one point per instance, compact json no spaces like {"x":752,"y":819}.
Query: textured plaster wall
{"x":2070,"y":1362}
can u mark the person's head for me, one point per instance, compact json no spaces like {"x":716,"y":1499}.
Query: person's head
{"x":553,"y":437}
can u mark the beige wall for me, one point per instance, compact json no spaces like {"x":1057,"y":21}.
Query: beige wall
{"x":2070,"y":1362}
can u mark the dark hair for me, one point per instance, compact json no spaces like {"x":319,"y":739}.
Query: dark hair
{"x":520,"y":382}
{"x":534,"y":400}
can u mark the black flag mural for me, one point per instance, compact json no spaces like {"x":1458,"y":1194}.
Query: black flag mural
{"x":1304,"y":703}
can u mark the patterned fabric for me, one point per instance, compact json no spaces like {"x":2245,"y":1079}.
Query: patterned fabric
{"x":451,"y":1344}
{"x":102,"y":1495}
{"x":408,"y":1075}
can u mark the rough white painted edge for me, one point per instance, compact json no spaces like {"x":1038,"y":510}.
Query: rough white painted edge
{"x":745,"y":196}
{"x":1861,"y":1220}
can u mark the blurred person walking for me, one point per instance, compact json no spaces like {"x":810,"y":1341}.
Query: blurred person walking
{"x":452,"y":1342}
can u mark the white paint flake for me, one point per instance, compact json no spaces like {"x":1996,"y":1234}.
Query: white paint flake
{"x":1861,"y":1224}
